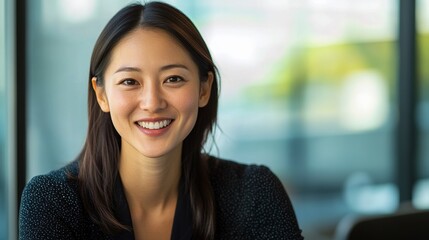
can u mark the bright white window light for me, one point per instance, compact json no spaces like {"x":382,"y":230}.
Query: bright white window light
{"x":76,"y":11}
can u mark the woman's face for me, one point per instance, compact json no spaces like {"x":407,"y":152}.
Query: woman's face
{"x":152,"y":91}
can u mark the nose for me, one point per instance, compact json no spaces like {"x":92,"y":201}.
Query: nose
{"x":152,"y":98}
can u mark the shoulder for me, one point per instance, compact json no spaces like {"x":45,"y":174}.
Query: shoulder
{"x":51,"y":207}
{"x":230,"y":174}
{"x":52,"y":184}
{"x":251,"y":202}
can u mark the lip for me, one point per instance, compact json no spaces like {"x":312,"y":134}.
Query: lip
{"x":154,"y":119}
{"x":154,"y":132}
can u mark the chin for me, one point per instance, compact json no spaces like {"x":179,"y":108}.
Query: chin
{"x":152,"y":154}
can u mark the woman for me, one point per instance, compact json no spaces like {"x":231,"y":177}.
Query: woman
{"x":142,"y":174}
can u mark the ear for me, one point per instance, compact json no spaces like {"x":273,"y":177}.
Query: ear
{"x":205,"y":90}
{"x":101,"y":95}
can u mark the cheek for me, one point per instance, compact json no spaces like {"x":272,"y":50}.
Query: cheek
{"x":188,"y":105}
{"x":120,"y":105}
{"x":188,"y":108}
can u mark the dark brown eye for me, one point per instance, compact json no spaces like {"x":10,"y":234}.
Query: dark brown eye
{"x":129,"y":82}
{"x":174,"y":79}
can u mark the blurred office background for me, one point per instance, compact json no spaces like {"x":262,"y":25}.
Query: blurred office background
{"x":310,"y":88}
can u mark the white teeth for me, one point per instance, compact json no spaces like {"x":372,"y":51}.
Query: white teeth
{"x":154,"y":125}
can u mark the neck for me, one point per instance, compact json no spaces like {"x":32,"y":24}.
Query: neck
{"x":150,"y":183}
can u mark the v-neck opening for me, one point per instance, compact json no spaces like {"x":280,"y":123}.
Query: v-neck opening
{"x":182,"y":220}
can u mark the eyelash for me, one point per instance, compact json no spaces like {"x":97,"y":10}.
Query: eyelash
{"x":128,"y":82}
{"x":133,"y":82}
{"x":177,"y":79}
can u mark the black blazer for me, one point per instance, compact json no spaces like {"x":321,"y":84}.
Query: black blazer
{"x":251,"y":203}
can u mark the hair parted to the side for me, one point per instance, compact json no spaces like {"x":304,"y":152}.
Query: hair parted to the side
{"x":98,"y":167}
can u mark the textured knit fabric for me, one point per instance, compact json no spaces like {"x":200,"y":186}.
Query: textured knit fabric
{"x":251,"y":203}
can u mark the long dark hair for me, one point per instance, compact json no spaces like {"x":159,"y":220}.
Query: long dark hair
{"x":98,"y":167}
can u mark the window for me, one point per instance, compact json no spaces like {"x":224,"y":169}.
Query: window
{"x":61,"y":35}
{"x":3,"y":118}
{"x":421,"y":193}
{"x":7,"y":190}
{"x":307,"y":90}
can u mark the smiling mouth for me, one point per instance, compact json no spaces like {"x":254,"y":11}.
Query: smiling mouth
{"x":155,"y":125}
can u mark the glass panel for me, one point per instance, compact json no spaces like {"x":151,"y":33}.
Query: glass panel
{"x":61,"y":35}
{"x":421,"y":191}
{"x":3,"y":127}
{"x":3,"y":195}
{"x":306,"y":90}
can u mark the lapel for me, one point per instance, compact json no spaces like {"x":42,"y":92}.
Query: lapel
{"x":122,"y":212}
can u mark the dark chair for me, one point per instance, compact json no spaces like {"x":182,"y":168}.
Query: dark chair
{"x":413,"y":224}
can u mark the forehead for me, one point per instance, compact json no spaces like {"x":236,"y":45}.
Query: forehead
{"x":148,"y":47}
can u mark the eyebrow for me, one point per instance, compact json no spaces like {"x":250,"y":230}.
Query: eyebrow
{"x":163,"y":68}
{"x":128,"y":69}
{"x":170,"y":66}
